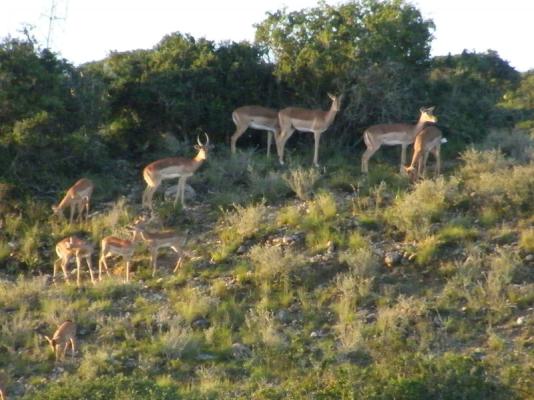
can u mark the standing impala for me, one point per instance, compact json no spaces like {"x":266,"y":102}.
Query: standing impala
{"x":173,"y":167}
{"x":77,"y":197}
{"x":303,"y":119}
{"x":157,"y":240}
{"x":392,"y":135}
{"x":426,"y":141}
{"x":112,"y":245}
{"x":255,"y":117}
{"x":71,"y":247}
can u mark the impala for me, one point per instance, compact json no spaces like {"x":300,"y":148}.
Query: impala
{"x":158,"y":240}
{"x":112,"y":245}
{"x":77,"y":197}
{"x":392,"y":135}
{"x":173,"y":167}
{"x":305,"y":120}
{"x":427,"y":141}
{"x":255,"y":117}
{"x":71,"y":247}
{"x":64,"y":336}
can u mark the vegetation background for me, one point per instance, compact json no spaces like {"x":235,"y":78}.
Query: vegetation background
{"x":281,"y":296}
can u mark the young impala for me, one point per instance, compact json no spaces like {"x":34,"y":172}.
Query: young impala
{"x":305,"y":120}
{"x":64,"y":336}
{"x":426,"y":141}
{"x":392,"y":135}
{"x":157,"y":240}
{"x":75,"y":247}
{"x":112,"y":245}
{"x":173,"y":167}
{"x":77,"y":197}
{"x":255,"y":117}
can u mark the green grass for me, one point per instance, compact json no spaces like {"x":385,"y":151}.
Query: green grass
{"x":301,"y":284}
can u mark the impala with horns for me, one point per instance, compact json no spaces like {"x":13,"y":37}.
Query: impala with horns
{"x":392,"y":135}
{"x":173,"y":167}
{"x":77,"y":197}
{"x":305,"y":120}
{"x":158,"y":240}
{"x":64,"y":336}
{"x":255,"y":117}
{"x":75,"y":247}
{"x":427,"y":141}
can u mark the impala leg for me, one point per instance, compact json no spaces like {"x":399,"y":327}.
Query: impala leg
{"x":437,"y":155}
{"x":86,"y":201}
{"x":64,"y":262}
{"x":369,"y":152}
{"x":284,"y":137}
{"x":72,"y":206}
{"x":269,"y":142}
{"x":78,"y":268}
{"x":237,"y":134}
{"x":154,"y":261}
{"x":424,"y":163}
{"x":73,"y":346}
{"x":184,"y":179}
{"x":55,"y":269}
{"x":403,"y":157}
{"x":90,"y":266}
{"x":127,"y":270}
{"x":317,"y":136}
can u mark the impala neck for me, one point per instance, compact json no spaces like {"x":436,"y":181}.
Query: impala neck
{"x":331,"y":114}
{"x":417,"y":128}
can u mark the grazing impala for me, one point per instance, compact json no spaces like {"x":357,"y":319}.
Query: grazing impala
{"x":255,"y":117}
{"x":63,"y":336}
{"x":157,"y":240}
{"x":112,"y":245}
{"x":302,"y":119}
{"x":173,"y":167}
{"x":392,"y":135}
{"x":77,"y":197}
{"x":71,"y":247}
{"x":426,"y":141}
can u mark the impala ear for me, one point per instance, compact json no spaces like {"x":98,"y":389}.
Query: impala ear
{"x":332,"y":97}
{"x":431,"y":109}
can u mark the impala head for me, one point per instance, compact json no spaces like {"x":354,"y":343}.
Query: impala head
{"x":427,"y":115}
{"x":52,"y":342}
{"x":336,"y":101}
{"x":411,"y":172}
{"x":58,"y":211}
{"x":203,"y":148}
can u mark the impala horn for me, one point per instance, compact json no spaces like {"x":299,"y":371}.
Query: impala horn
{"x":207,"y":140}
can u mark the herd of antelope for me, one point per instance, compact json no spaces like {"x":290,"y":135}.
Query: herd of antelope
{"x":425,"y":137}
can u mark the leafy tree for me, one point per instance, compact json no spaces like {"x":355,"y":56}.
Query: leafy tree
{"x":467,"y":89}
{"x":377,"y":51}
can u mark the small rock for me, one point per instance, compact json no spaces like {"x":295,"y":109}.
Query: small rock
{"x":529,"y":257}
{"x":170,"y":193}
{"x":241,"y":249}
{"x":240,"y":351}
{"x":205,"y":357}
{"x":200,"y":323}
{"x":520,"y":321}
{"x":283,"y":316}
